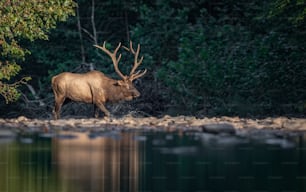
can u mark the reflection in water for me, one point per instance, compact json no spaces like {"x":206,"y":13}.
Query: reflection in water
{"x":70,"y":162}
{"x":100,"y":164}
{"x":25,"y":167}
{"x":148,"y":161}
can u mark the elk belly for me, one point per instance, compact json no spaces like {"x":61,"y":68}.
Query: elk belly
{"x":80,"y":94}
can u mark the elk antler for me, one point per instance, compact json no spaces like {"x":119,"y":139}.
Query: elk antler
{"x":113,"y":57}
{"x":137,"y":62}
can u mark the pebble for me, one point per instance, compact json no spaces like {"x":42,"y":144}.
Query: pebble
{"x":215,"y":125}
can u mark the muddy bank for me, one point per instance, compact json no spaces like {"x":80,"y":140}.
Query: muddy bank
{"x":224,"y":124}
{"x":282,"y":131}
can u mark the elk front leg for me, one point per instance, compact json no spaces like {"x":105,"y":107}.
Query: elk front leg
{"x":102,"y":107}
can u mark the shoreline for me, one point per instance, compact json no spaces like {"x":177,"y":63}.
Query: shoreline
{"x":166,"y":122}
{"x":224,"y":131}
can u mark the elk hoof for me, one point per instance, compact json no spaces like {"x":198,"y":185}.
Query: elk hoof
{"x":107,"y":118}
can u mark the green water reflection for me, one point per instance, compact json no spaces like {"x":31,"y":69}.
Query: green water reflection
{"x":147,"y":161}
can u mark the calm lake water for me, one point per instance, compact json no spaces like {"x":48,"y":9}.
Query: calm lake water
{"x":149,"y":161}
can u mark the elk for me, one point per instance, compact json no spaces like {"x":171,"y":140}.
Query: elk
{"x":95,"y":87}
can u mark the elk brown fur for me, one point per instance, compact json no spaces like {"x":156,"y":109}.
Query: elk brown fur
{"x":95,"y":87}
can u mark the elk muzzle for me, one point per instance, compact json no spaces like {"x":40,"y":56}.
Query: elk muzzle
{"x":136,"y":94}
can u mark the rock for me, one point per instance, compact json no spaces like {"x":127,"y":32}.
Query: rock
{"x":279,"y":122}
{"x":295,"y":124}
{"x":22,"y":118}
{"x":4,"y":133}
{"x":7,"y":136}
{"x":26,"y":140}
{"x":280,"y":142}
{"x":207,"y":138}
{"x":129,"y":121}
{"x":219,"y":128}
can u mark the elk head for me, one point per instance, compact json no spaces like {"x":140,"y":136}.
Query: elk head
{"x":126,"y":83}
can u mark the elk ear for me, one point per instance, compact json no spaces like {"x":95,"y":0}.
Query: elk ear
{"x":118,"y":83}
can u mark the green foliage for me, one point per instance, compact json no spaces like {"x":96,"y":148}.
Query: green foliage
{"x":203,"y":57}
{"x":25,"y":20}
{"x":224,"y":64}
{"x":10,"y":91}
{"x":158,"y":29}
{"x":7,"y":70}
{"x":293,"y":10}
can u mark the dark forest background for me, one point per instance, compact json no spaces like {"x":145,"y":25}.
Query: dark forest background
{"x":204,"y":57}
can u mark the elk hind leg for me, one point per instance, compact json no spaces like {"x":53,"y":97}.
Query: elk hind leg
{"x":96,"y":111}
{"x":57,"y":106}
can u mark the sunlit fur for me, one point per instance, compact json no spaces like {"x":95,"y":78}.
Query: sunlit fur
{"x":91,"y":87}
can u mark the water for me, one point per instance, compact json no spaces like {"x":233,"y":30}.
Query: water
{"x":149,"y":161}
